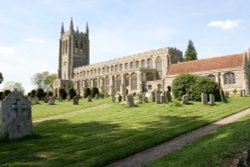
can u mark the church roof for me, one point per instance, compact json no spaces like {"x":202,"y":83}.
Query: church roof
{"x":215,"y":63}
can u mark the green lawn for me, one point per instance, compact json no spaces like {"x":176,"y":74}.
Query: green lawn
{"x":217,"y":149}
{"x":107,"y":133}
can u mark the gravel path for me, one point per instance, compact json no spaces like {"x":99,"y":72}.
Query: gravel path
{"x":71,"y":113}
{"x":159,"y":151}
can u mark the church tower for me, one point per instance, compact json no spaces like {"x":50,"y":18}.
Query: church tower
{"x":73,"y":50}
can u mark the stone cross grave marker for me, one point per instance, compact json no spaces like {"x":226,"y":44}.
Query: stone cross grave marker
{"x":16,"y":120}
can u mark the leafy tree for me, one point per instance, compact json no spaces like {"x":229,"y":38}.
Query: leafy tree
{"x":87,"y":92}
{"x":40,"y":93}
{"x":72,"y":93}
{"x":13,"y":85}
{"x":62,"y":93}
{"x":94,"y":91}
{"x":43,"y":80}
{"x":194,"y":85}
{"x":190,"y":53}
{"x":33,"y":93}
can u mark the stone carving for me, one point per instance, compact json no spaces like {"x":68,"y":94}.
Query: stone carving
{"x":16,"y":117}
{"x":89,"y":98}
{"x":76,"y":100}
{"x":52,"y":100}
{"x":204,"y":98}
{"x":158,"y":97}
{"x":185,"y":99}
{"x":211,"y":99}
{"x":130,"y":101}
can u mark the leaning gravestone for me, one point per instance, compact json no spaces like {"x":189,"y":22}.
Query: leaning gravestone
{"x":211,"y":99}
{"x":89,"y":98}
{"x":76,"y":100}
{"x":130,"y":101}
{"x":16,"y":120}
{"x":204,"y":98}
{"x":52,"y":100}
{"x":185,"y":99}
{"x":158,"y":97}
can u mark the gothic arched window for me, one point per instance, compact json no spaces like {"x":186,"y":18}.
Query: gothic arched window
{"x":118,"y":83}
{"x":142,"y":63}
{"x":95,"y":83}
{"x":106,"y":84}
{"x":229,"y":78}
{"x":133,"y":81}
{"x":149,"y":63}
{"x":158,"y":64}
{"x":126,"y":81}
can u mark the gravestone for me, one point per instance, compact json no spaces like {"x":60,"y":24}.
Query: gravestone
{"x":76,"y":100}
{"x":241,"y":93}
{"x":168,"y":94}
{"x":244,"y":93}
{"x":163,"y":97}
{"x":96,"y":96}
{"x":119,"y":98}
{"x":113,"y":98}
{"x":36,"y":100}
{"x":145,"y":99}
{"x":211,"y":99}
{"x":16,"y":120}
{"x":51,"y":100}
{"x":153,"y":96}
{"x":226,"y":94}
{"x":158,"y":97}
{"x":204,"y":98}
{"x":46,"y":99}
{"x":89,"y":98}
{"x":140,"y":98}
{"x":185,"y":99}
{"x":68,"y":98}
{"x":130,"y":101}
{"x":60,"y":99}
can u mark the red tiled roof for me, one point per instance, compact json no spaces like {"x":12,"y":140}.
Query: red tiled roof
{"x":215,"y":63}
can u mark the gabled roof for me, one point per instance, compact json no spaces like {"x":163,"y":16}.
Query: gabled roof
{"x":215,"y":63}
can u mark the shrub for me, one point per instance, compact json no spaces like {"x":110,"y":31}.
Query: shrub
{"x":1,"y":95}
{"x":49,"y":93}
{"x":40,"y":93}
{"x":194,"y":85}
{"x":72,"y":93}
{"x":94,"y":91}
{"x":62,"y":93}
{"x":33,"y":93}
{"x":182,"y":83}
{"x":87,"y":92}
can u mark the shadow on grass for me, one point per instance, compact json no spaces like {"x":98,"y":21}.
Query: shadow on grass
{"x":60,"y":142}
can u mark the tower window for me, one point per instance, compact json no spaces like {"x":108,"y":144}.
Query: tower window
{"x":81,"y":45}
{"x":76,"y":44}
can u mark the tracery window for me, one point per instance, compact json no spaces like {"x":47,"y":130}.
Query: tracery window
{"x":149,"y":63}
{"x":159,"y":67}
{"x":229,"y":78}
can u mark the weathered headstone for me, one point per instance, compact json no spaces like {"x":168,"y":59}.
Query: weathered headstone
{"x":76,"y":100}
{"x":153,"y":96}
{"x":89,"y":98}
{"x":51,"y":100}
{"x":226,"y":94}
{"x":96,"y":96}
{"x":145,"y":99}
{"x":158,"y":97}
{"x":204,"y":98}
{"x":140,"y":98}
{"x":68,"y":98}
{"x":46,"y":99}
{"x":244,"y":93}
{"x":130,"y":101}
{"x":119,"y":98}
{"x":163,"y":97}
{"x":185,"y":99}
{"x":241,"y":93}
{"x":113,"y":98}
{"x":60,"y":99}
{"x":36,"y":100}
{"x":16,"y":120}
{"x":168,"y":94}
{"x":211,"y":99}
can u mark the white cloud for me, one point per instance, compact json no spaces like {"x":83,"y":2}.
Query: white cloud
{"x":6,"y":50}
{"x":35,"y":40}
{"x":225,"y":25}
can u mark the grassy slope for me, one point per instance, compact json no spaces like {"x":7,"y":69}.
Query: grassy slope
{"x":107,"y":134}
{"x":215,"y":149}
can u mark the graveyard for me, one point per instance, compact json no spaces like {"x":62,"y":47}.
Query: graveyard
{"x":102,"y":131}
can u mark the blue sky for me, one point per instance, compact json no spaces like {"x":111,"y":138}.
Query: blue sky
{"x":29,"y":30}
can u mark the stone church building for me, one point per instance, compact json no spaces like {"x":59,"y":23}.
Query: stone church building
{"x":143,"y":72}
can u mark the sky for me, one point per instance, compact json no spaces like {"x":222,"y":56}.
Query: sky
{"x":30,"y":30}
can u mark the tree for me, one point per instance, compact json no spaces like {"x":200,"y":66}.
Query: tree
{"x":62,"y":93}
{"x":13,"y":85}
{"x":43,"y":80}
{"x":190,"y":53}
{"x":72,"y":93}
{"x":40,"y":93}
{"x":95,"y":91}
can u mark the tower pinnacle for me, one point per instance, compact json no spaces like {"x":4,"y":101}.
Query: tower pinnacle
{"x":62,"y":29}
{"x":87,"y":28}
{"x":71,"y":27}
